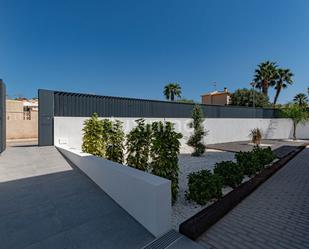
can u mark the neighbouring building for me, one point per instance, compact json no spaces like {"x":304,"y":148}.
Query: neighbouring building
{"x":21,"y":119}
{"x":217,"y":98}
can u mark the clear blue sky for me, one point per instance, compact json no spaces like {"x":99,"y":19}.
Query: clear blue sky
{"x":133,"y":48}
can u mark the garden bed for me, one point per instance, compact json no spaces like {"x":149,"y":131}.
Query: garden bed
{"x":184,"y":209}
{"x":200,"y":222}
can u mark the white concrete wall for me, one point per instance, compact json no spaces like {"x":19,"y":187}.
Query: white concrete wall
{"x":69,"y":129}
{"x":144,"y":196}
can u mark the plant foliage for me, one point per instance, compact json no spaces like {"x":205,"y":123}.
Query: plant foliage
{"x":195,"y":140}
{"x":250,"y":98}
{"x":254,"y":161}
{"x":204,"y":186}
{"x":113,"y":139}
{"x":256,"y":136}
{"x":138,"y":145}
{"x":231,"y":173}
{"x":297,"y":113}
{"x":164,"y":153}
{"x":92,"y":136}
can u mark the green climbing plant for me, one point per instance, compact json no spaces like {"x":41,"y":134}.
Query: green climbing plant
{"x":92,"y":136}
{"x":195,"y":140}
{"x":164,"y":153}
{"x":138,"y":145}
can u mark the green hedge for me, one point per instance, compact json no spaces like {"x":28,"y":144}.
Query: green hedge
{"x":204,"y":186}
{"x":231,"y":173}
{"x":254,"y":161}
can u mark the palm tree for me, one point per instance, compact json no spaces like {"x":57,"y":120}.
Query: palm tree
{"x":284,"y":78}
{"x":171,"y":90}
{"x":301,"y":99}
{"x":265,"y":76}
{"x":297,"y":114}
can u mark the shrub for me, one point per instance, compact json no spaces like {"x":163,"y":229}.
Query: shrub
{"x":265,"y":156}
{"x":195,"y":140}
{"x":255,"y":160}
{"x":164,"y":153}
{"x":256,"y":136}
{"x":231,"y":173}
{"x":204,"y":186}
{"x":138,"y":145}
{"x":92,"y":137}
{"x":114,"y":135}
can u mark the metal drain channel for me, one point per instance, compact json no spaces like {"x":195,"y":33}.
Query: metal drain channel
{"x":164,"y":241}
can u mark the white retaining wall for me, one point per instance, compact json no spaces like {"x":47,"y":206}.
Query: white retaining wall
{"x":144,"y":196}
{"x":68,"y":130}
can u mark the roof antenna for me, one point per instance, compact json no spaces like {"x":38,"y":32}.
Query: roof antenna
{"x":215,"y":86}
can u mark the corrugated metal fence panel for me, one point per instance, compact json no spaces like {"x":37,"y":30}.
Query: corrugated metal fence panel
{"x":84,"y":105}
{"x":2,"y":116}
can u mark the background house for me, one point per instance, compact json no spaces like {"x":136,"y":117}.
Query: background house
{"x":21,"y":119}
{"x":217,"y":98}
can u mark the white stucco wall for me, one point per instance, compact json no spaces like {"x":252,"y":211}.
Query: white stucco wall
{"x":68,"y":130}
{"x":144,"y":196}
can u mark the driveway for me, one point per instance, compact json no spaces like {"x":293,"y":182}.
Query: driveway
{"x":45,"y":202}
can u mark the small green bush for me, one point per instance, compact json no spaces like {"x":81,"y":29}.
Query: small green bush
{"x":196,"y":139}
{"x":204,"y":186}
{"x":265,"y":155}
{"x":231,"y":173}
{"x":92,"y":136}
{"x":254,"y":161}
{"x":138,"y":145}
{"x":164,"y":153}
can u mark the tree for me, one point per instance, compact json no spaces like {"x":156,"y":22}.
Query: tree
{"x":195,"y":140}
{"x":298,"y":115}
{"x":284,"y":78}
{"x":184,"y":100}
{"x":164,"y":153}
{"x":113,"y":140}
{"x":246,"y":97}
{"x":171,"y":90}
{"x":138,"y":145}
{"x":92,"y":137}
{"x":265,"y":76}
{"x":301,"y":99}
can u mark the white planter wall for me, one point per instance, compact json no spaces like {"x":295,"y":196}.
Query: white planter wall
{"x":68,"y":130}
{"x":144,"y":196}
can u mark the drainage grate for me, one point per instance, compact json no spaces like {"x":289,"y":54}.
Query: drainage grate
{"x":164,"y":241}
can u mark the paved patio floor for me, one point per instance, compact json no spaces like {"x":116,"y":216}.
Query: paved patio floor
{"x":47,"y":203}
{"x":276,"y":215}
{"x":280,"y":147}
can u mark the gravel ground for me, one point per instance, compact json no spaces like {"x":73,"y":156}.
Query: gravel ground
{"x":183,"y":209}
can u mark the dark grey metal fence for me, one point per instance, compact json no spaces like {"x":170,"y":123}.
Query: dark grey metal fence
{"x":55,"y":103}
{"x":2,"y":116}
{"x":84,"y":105}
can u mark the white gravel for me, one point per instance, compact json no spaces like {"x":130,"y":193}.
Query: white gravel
{"x":183,"y":209}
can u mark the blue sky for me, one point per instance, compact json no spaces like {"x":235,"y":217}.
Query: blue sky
{"x":133,"y":48}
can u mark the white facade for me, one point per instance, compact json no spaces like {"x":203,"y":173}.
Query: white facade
{"x":146,"y":197}
{"x":68,"y":130}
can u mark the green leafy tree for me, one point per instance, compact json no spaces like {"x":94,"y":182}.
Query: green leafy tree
{"x":246,"y":97}
{"x":92,"y":137}
{"x":164,"y":153}
{"x":283,"y":79}
{"x":301,"y":99}
{"x":113,"y":139}
{"x":172,"y":90}
{"x":297,"y":114}
{"x":138,"y":145}
{"x":265,"y":76}
{"x":196,"y":139}
{"x":184,"y":100}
